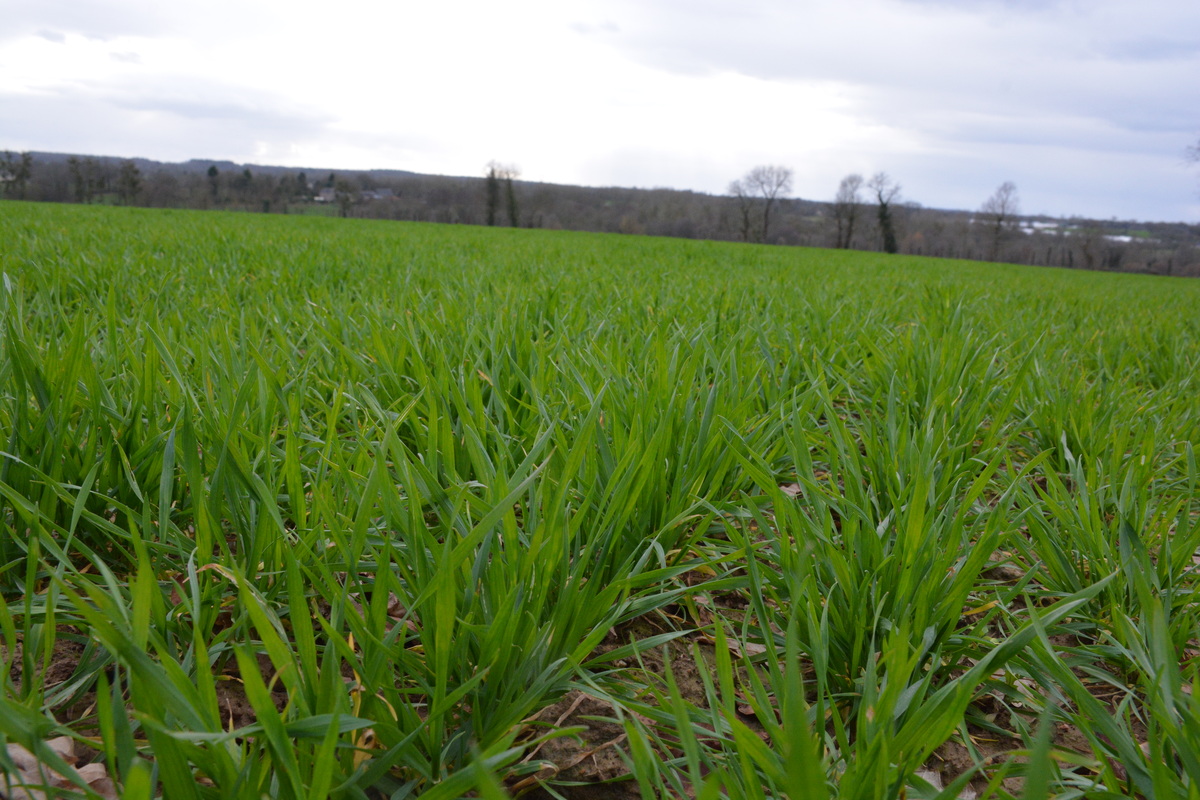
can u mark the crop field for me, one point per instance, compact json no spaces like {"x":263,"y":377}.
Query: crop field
{"x":306,"y":508}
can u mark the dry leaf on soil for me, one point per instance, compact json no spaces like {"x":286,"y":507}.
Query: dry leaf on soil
{"x":35,"y":781}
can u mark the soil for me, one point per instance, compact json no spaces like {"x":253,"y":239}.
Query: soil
{"x":64,"y":660}
{"x":590,"y":764}
{"x":236,"y":711}
{"x":68,"y":653}
{"x":592,"y":757}
{"x":953,"y":758}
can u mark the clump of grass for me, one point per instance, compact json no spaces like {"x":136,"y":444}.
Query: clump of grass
{"x":309,"y":508}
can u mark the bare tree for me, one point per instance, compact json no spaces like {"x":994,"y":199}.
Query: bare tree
{"x":507,"y":173}
{"x":15,"y":172}
{"x":846,"y":207}
{"x":129,"y":183}
{"x":75,"y":167}
{"x":770,"y":183}
{"x":214,"y":183}
{"x":243,"y":185}
{"x":89,"y":178}
{"x":343,"y":192}
{"x":999,"y":213}
{"x":492,"y":187}
{"x":510,"y":174}
{"x":886,"y":191}
{"x":745,"y":206}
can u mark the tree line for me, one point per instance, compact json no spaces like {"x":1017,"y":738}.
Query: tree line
{"x":863,"y":213}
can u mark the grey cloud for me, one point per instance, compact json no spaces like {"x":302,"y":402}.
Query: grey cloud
{"x":1087,"y":115}
{"x":192,"y":110}
{"x":101,"y":21}
{"x":903,"y":58}
{"x":126,"y":58}
{"x":217,"y":104}
{"x":1120,"y":121}
{"x":1024,"y":5}
{"x":1154,"y":48}
{"x":105,"y":21}
{"x":155,"y":122}
{"x":52,"y":36}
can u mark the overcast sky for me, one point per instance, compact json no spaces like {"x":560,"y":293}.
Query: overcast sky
{"x":1087,"y":105}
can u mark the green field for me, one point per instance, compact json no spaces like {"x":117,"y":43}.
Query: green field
{"x":301,"y":507}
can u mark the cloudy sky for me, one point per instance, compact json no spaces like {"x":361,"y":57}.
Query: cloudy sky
{"x":1087,"y":105}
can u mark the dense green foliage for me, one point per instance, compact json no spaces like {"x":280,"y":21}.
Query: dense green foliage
{"x":394,"y":485}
